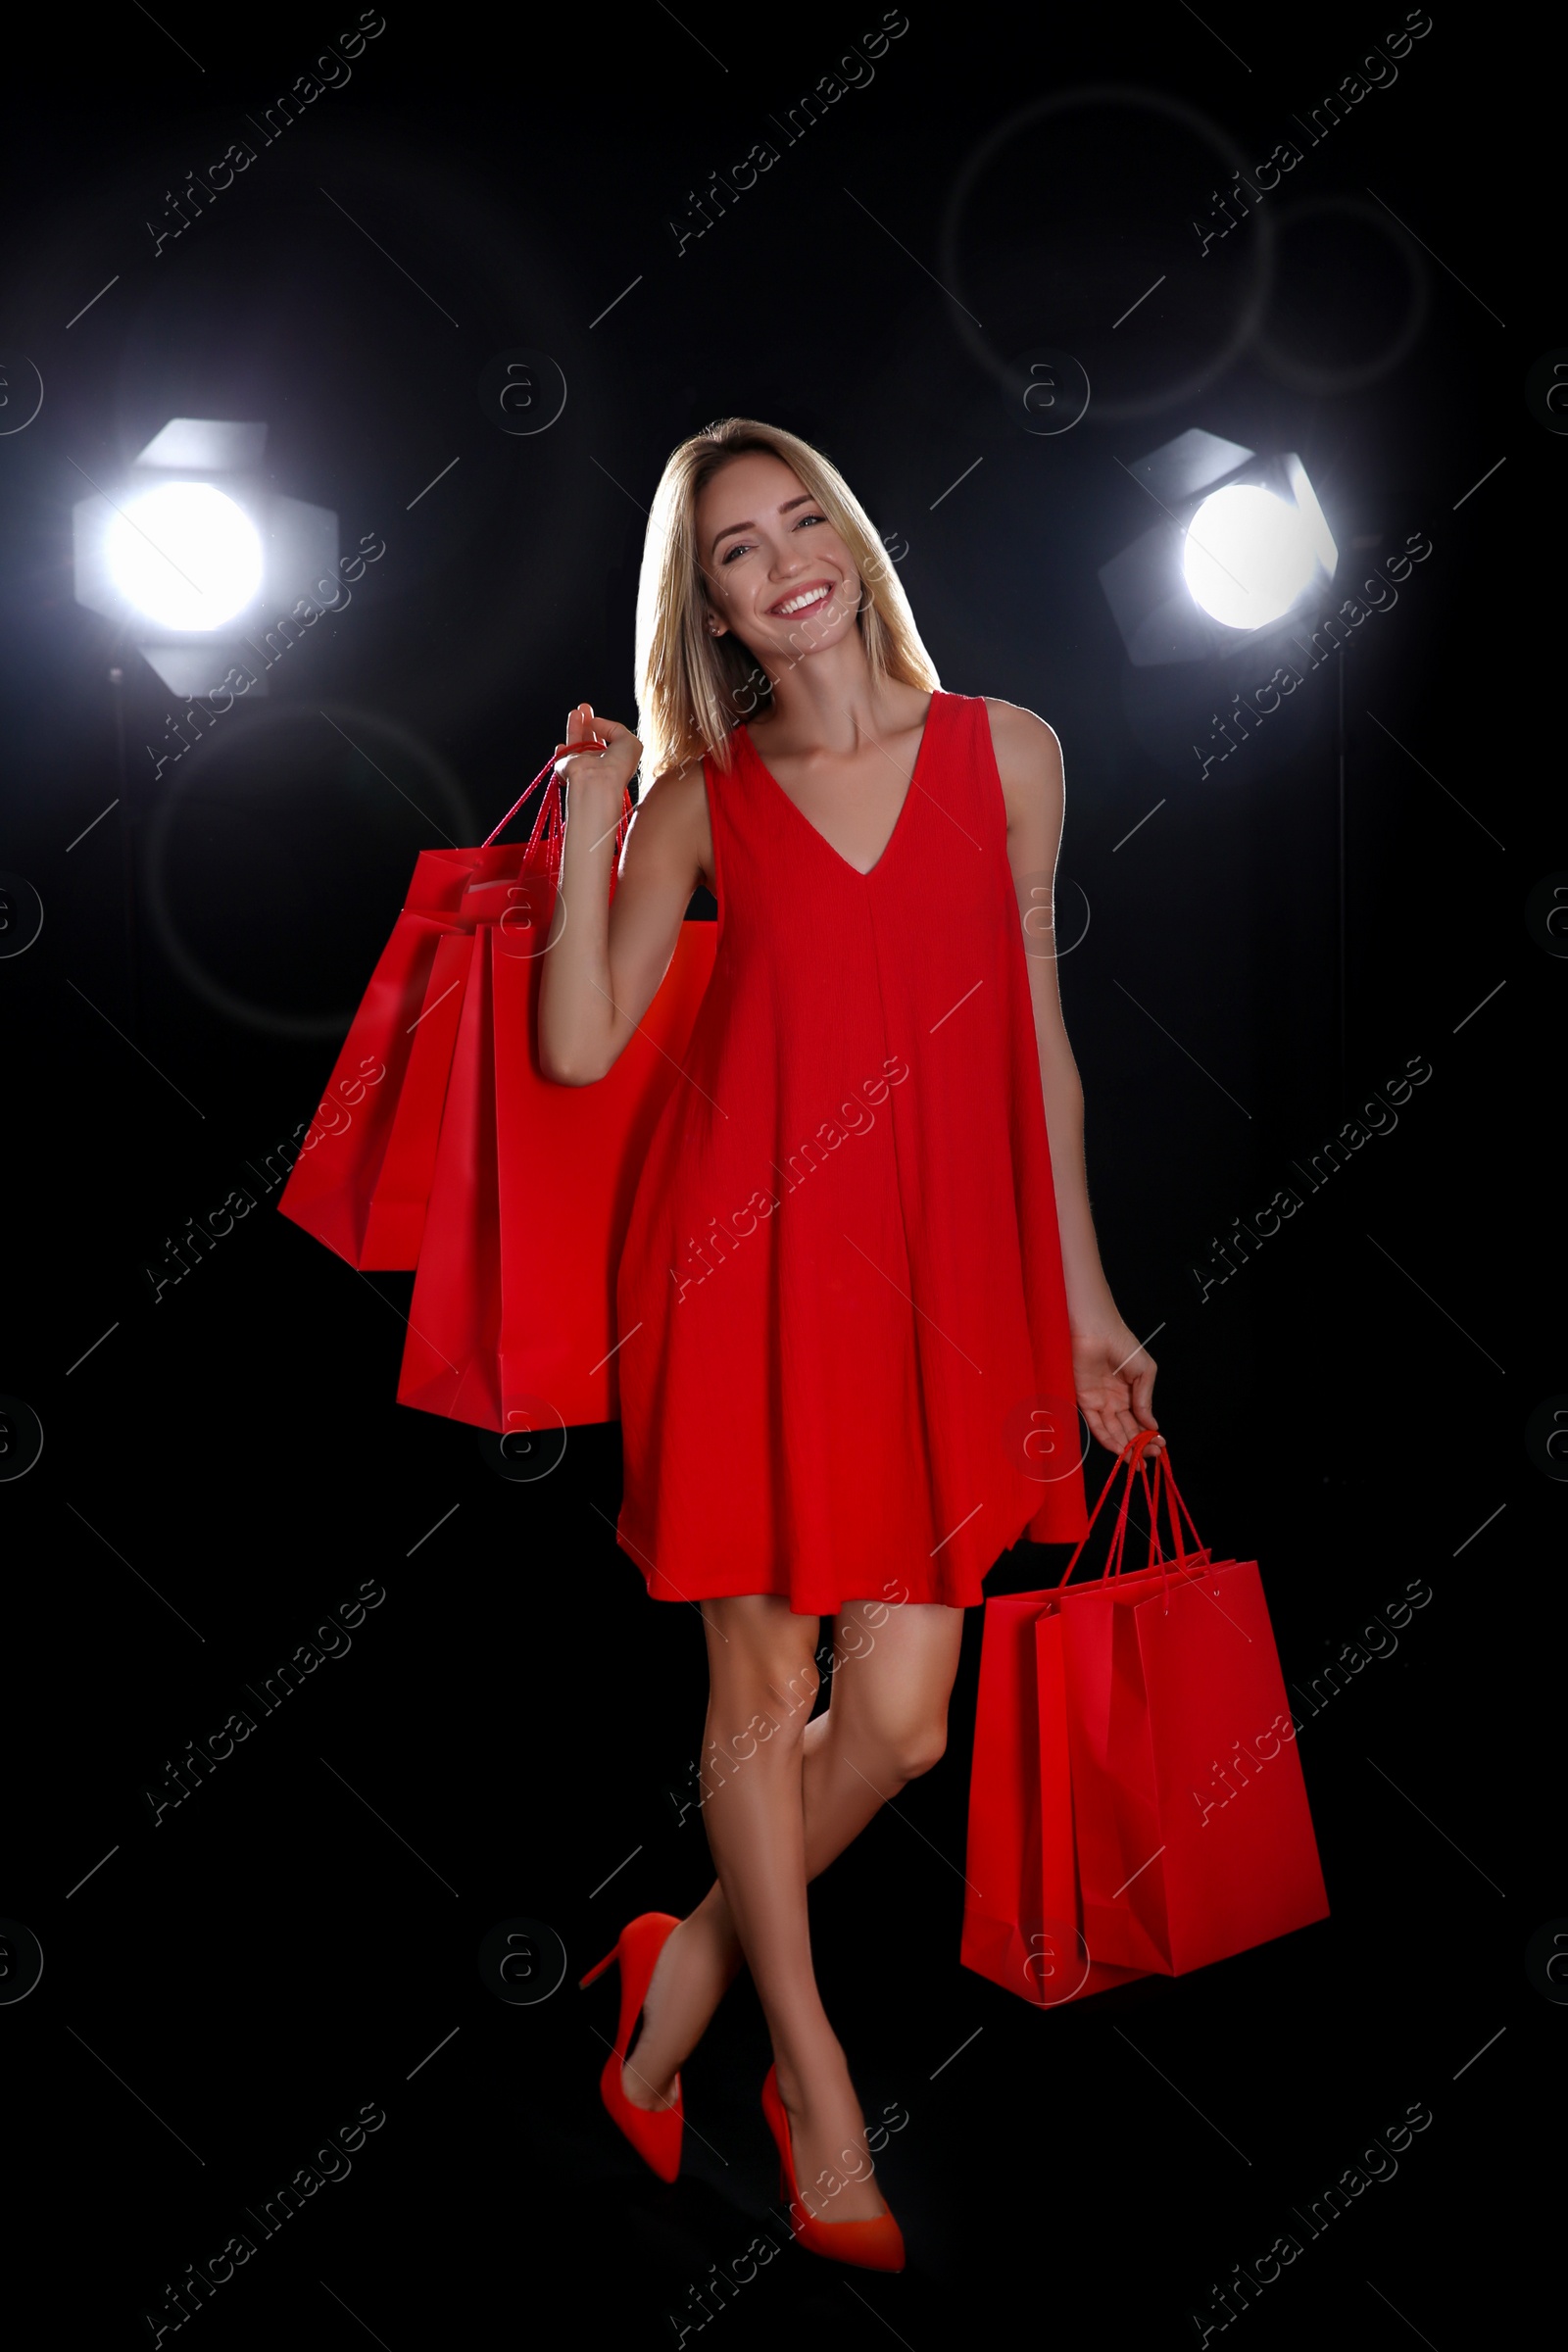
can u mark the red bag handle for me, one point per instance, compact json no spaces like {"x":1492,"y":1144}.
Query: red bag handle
{"x":1165,"y":1482}
{"x":547,"y":824}
{"x":1175,"y":1504}
{"x":1134,"y":1457}
{"x":518,"y":804}
{"x":1156,"y":1550}
{"x":1129,"y":1458}
{"x":1181,"y":1558}
{"x":1116,"y":1549}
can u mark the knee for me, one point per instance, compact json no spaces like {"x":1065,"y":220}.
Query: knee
{"x":764,"y":1707}
{"x":915,"y":1748}
{"x":792,"y":1685}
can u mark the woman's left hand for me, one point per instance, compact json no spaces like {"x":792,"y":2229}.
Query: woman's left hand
{"x":1113,"y":1377}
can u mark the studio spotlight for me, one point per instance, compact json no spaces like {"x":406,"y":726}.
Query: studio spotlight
{"x":184,"y":556}
{"x":1242,"y":544}
{"x":192,"y":553}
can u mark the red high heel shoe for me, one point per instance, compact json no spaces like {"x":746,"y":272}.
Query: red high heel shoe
{"x":653,"y":2132}
{"x":875,"y":2245}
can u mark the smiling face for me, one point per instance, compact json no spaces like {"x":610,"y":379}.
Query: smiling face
{"x":774,"y":569}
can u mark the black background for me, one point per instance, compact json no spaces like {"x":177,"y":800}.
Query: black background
{"x":229,"y":1463}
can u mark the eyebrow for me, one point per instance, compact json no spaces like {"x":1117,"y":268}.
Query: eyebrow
{"x":805,"y":500}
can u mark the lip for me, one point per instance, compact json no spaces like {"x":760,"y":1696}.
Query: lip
{"x":826,"y":588}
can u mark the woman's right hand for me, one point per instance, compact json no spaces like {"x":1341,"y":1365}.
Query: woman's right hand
{"x":598,"y":748}
{"x":606,"y":962}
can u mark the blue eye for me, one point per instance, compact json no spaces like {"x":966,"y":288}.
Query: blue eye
{"x":740,"y":546}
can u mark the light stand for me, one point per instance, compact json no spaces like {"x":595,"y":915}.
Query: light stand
{"x":128,"y":849}
{"x":1342,"y":927}
{"x":1241,"y":544}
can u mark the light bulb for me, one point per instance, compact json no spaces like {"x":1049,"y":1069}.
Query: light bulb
{"x":1247,"y":556}
{"x":186,"y":555}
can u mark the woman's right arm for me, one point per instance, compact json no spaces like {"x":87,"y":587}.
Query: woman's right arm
{"x":605,"y":965}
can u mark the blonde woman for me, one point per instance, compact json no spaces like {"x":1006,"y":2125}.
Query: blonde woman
{"x":861,"y":1293}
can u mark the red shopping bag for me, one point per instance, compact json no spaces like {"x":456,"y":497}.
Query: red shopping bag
{"x":1021,"y":1920}
{"x":1020,"y":1913}
{"x":512,"y":1325}
{"x":361,"y":1179}
{"x":1193,"y":1831}
{"x":1172,"y":1827}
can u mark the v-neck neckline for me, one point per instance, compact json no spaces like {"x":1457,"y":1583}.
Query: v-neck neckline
{"x":861,"y":874}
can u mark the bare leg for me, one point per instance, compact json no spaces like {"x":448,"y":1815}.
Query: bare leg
{"x":761,"y":1660}
{"x":894,"y":1667}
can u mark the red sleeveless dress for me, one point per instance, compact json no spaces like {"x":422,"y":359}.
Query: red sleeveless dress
{"x":845,"y":1366}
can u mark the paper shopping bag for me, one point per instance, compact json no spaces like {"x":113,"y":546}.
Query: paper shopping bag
{"x":1193,"y":1835}
{"x":362,"y":1172}
{"x":1023,"y":1919}
{"x":512,"y":1325}
{"x":361,"y":1179}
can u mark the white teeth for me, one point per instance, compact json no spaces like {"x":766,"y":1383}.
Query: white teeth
{"x":797,"y":603}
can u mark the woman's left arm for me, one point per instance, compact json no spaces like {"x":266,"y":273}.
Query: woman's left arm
{"x":1114,"y":1377}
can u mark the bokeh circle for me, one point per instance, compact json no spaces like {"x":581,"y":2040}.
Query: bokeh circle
{"x":1137,"y":100}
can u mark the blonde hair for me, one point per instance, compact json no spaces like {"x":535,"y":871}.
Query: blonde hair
{"x":694,"y":688}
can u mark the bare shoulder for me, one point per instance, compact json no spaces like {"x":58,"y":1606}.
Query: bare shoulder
{"x":674,"y":791}
{"x":672,"y":822}
{"x":1029,"y":764}
{"x":1026,"y":748}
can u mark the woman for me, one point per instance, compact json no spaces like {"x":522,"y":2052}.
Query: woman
{"x":860,"y":1289}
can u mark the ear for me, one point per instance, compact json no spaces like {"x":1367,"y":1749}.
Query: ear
{"x":716,"y":626}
